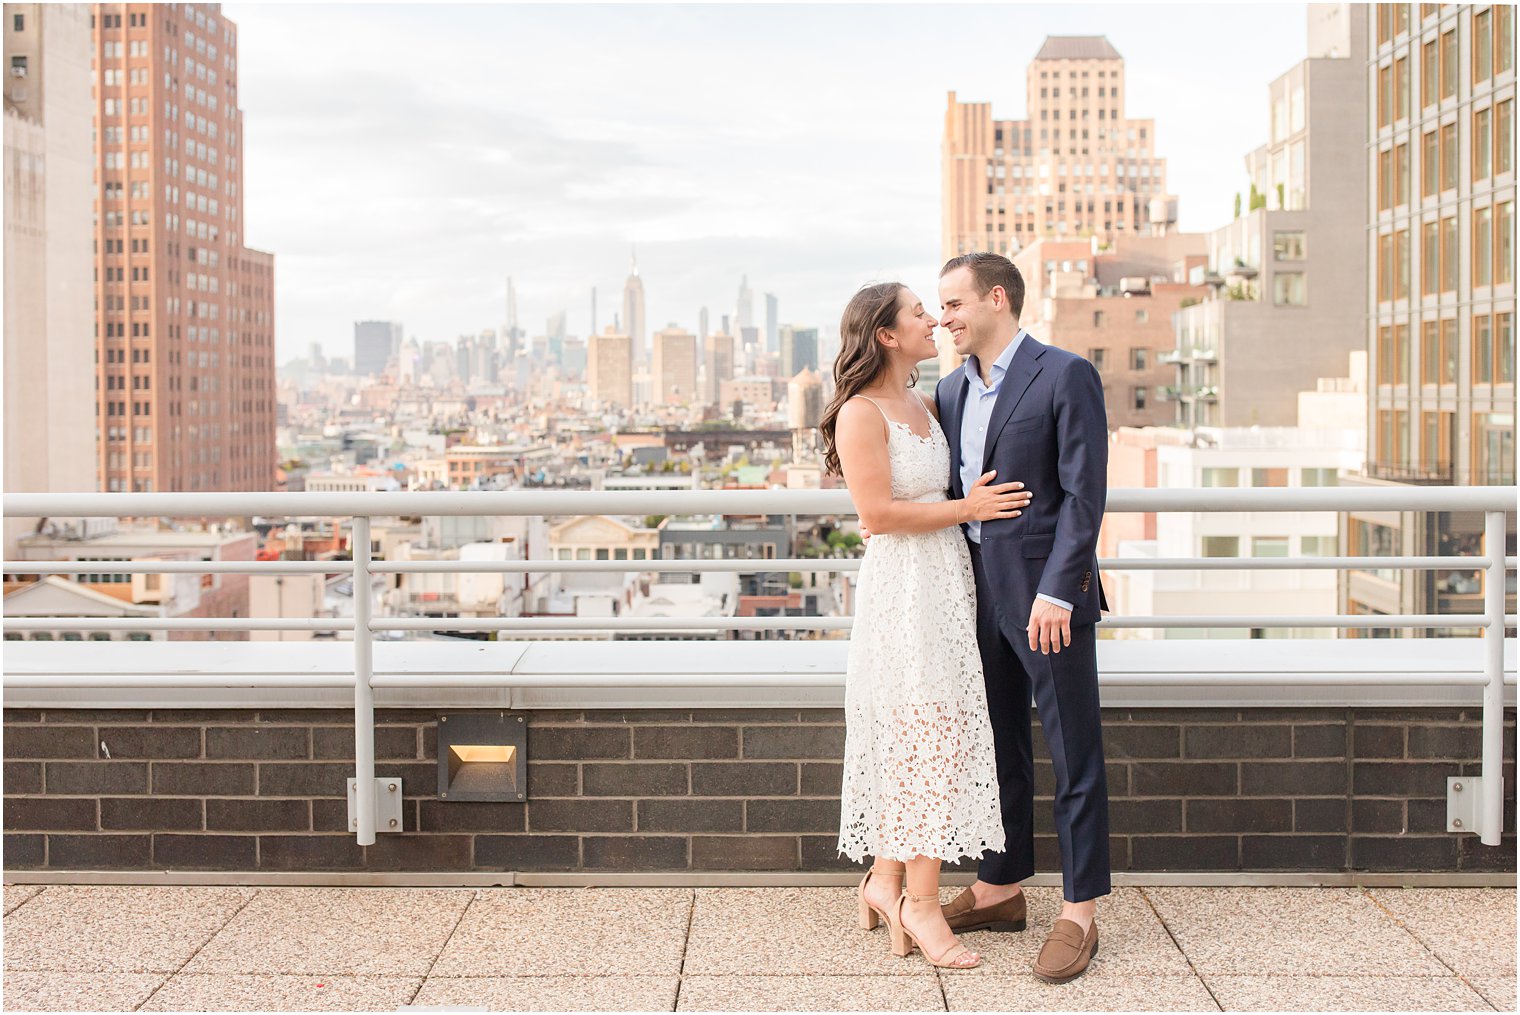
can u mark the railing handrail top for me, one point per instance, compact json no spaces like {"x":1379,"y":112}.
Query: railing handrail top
{"x":733,"y":502}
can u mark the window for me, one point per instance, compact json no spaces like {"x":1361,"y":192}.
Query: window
{"x":1097,"y":318}
{"x":1504,"y":37}
{"x":1289,"y":246}
{"x":1221,"y":477}
{"x":1449,"y":351}
{"x":1319,"y":477}
{"x":1429,"y":79}
{"x":1449,"y":64}
{"x":1139,"y":359}
{"x":1401,"y":354}
{"x":1098,"y":357}
{"x":1385,"y":355}
{"x":1429,"y":164}
{"x":1449,"y":254}
{"x":1483,"y":41}
{"x":1482,"y":241}
{"x":1401,"y":88}
{"x":1401,"y":264}
{"x":1221,"y":546}
{"x":1401,"y":174}
{"x":1504,"y":348}
{"x":1269,"y":546}
{"x":1142,"y":316}
{"x":1482,"y":155}
{"x":1137,"y":399}
{"x":1385,"y":267}
{"x":1504,"y":243}
{"x":1317,"y":546}
{"x":1430,"y":352}
{"x":1269,"y":477}
{"x":1288,"y":288}
{"x":1430,"y":257}
{"x":1448,"y":156}
{"x":1482,"y":349}
{"x":1504,"y":137}
{"x":1385,"y":96}
{"x":18,"y":23}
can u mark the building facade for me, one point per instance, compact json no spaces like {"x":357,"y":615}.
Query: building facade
{"x":632,"y":321}
{"x":675,"y":367}
{"x":185,"y":311}
{"x":1078,"y":166}
{"x":609,"y":369}
{"x":49,"y":344}
{"x":376,"y":343}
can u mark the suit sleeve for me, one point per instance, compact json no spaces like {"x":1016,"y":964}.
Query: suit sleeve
{"x":1082,"y":468}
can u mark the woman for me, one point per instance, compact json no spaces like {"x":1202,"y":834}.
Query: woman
{"x":920,"y":784}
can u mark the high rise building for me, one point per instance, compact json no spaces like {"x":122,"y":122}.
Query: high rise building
{"x":185,"y":315}
{"x":702,"y":326}
{"x":799,"y":349}
{"x":513,"y":333}
{"x":632,"y":320}
{"x":674,"y":373}
{"x":1439,"y":149}
{"x":375,"y":344}
{"x":717,"y":365}
{"x":772,"y":335}
{"x":609,"y":369}
{"x":804,"y":409}
{"x":49,"y":352}
{"x":745,"y":307}
{"x":1079,"y":166}
{"x":1441,"y":306}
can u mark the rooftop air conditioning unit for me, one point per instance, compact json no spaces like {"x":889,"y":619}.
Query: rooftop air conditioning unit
{"x":1134,"y":284}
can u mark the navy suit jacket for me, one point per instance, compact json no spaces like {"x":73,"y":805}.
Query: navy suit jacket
{"x":1049,"y":431}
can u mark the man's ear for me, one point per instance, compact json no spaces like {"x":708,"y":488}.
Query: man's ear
{"x":999,"y":297}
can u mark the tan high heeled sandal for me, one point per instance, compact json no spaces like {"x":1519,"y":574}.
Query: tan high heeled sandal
{"x":870,"y":916}
{"x":957,"y":956}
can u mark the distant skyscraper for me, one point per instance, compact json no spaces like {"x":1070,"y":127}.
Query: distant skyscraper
{"x":49,"y":349}
{"x":675,"y":367}
{"x":799,"y":350}
{"x":593,"y":312}
{"x":186,"y":311}
{"x":555,"y":328}
{"x":609,"y":369}
{"x":1077,"y":167}
{"x":745,"y":309}
{"x":772,"y":335}
{"x":514,"y":335}
{"x":632,"y":322}
{"x":804,"y":409}
{"x":375,"y":342}
{"x":702,"y":328}
{"x":717,"y":365}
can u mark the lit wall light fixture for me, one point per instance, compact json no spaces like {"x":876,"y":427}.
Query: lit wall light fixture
{"x":482,"y":756}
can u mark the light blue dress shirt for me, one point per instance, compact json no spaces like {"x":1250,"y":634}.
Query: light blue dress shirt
{"x":975,"y":418}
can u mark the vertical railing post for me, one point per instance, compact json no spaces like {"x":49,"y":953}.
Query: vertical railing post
{"x":1491,"y":804}
{"x":364,"y":694}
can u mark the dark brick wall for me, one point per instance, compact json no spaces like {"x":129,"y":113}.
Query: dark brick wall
{"x":1317,"y":789}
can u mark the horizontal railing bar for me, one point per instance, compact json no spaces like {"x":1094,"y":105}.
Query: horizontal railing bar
{"x":177,"y":567}
{"x":196,"y":680}
{"x":1290,"y":563}
{"x":611,"y":624}
{"x":718,"y":502}
{"x":176,"y":624}
{"x":741,"y":566}
{"x":1442,"y":620}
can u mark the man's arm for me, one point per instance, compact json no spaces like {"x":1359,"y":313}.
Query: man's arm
{"x":1082,"y":468}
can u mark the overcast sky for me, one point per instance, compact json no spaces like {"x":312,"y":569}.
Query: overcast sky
{"x":403,"y":160}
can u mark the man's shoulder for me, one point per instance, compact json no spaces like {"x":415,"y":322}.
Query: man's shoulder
{"x":1063,"y":360}
{"x":947,"y":384}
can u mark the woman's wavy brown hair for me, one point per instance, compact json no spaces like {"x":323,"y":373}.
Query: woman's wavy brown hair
{"x":861,"y":358}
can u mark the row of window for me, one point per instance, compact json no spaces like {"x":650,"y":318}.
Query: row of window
{"x":1492,"y":254}
{"x":1270,"y":546}
{"x":1492,"y":347}
{"x":1493,"y":444}
{"x":1492,"y":154}
{"x":1267,"y":477}
{"x":1493,"y":52}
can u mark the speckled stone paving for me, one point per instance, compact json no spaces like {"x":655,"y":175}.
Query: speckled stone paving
{"x":112,"y":948}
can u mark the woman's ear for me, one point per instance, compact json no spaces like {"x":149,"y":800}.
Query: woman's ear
{"x":886,"y":338}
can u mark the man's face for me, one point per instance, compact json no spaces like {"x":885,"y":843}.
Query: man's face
{"x":969,"y":316}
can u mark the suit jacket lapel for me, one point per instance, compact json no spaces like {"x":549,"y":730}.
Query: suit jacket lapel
{"x":1021,"y":373}
{"x":952,"y":428}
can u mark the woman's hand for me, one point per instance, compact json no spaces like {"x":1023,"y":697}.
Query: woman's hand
{"x":985,"y":502}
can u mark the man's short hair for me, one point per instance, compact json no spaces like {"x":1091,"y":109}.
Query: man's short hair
{"x":988,"y":270}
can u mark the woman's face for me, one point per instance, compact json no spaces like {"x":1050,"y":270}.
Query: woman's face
{"x":913,"y":328}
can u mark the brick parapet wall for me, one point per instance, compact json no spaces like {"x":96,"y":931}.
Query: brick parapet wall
{"x":1313,"y":789}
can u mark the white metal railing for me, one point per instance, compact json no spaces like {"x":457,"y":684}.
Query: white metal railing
{"x":1494,"y":502}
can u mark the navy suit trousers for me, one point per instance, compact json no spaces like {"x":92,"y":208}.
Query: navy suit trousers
{"x":1064,"y":686}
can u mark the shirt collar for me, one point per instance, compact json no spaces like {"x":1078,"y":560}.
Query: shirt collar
{"x":999,"y":365}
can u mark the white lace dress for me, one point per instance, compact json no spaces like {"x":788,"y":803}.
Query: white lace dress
{"x":919,"y":773}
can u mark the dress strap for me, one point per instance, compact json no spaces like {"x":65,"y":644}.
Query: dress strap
{"x":879,"y":409}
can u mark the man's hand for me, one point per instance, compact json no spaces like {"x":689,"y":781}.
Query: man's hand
{"x":1049,"y":627}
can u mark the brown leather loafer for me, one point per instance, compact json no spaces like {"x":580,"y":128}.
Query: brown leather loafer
{"x":1008,"y":915}
{"x":1067,"y":952}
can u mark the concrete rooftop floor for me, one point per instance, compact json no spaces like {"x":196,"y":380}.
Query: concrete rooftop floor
{"x":119,"y":948}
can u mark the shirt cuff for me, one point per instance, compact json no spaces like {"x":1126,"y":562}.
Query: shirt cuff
{"x":1052,"y":599}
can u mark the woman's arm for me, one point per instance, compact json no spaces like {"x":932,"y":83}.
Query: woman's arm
{"x":861,"y":436}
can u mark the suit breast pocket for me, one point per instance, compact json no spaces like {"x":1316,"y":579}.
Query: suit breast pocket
{"x":1026,"y":425}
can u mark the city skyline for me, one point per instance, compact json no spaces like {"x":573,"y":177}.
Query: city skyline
{"x":796,"y":182}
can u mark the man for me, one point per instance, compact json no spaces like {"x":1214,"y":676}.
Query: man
{"x":1033,"y":413}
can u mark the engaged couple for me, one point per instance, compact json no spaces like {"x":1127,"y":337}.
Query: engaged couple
{"x":979,"y":590}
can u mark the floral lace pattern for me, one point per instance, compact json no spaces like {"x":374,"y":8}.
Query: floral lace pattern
{"x":919,"y":773}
